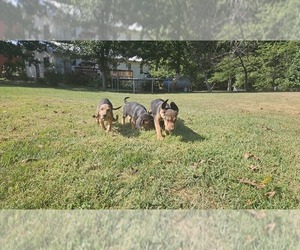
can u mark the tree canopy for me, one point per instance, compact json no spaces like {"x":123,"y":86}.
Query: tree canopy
{"x":248,"y":65}
{"x":158,"y":19}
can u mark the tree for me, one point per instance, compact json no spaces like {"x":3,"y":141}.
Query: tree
{"x":20,"y":18}
{"x":275,"y":65}
{"x":17,"y":52}
{"x":201,"y":59}
{"x":242,"y":50}
{"x":107,"y":54}
{"x":292,"y":76}
{"x":226,"y":71}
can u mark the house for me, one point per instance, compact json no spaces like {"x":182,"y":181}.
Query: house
{"x":131,"y":68}
{"x":133,"y":74}
{"x":48,"y":60}
{"x":136,"y":65}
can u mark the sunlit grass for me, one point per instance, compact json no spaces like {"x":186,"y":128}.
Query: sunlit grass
{"x":53,"y":154}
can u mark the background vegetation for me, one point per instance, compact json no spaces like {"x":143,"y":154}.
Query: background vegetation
{"x":211,"y":65}
{"x":160,"y":19}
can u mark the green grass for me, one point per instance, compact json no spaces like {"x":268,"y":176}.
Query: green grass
{"x":149,"y":229}
{"x":54,"y":156}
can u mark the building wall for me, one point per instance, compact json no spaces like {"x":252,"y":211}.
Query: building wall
{"x":33,"y":71}
{"x":63,"y":66}
{"x":59,"y":64}
{"x":132,"y":64}
{"x":135,"y":67}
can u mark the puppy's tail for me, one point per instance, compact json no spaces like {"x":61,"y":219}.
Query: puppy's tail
{"x":117,"y":108}
{"x":116,"y":119}
{"x":125,"y":99}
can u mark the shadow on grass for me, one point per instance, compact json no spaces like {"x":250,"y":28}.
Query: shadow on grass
{"x":83,"y":88}
{"x":126,"y":130}
{"x":61,"y":86}
{"x":186,"y":134}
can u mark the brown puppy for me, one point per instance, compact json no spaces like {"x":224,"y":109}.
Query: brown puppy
{"x":164,"y":115}
{"x":105,"y":114}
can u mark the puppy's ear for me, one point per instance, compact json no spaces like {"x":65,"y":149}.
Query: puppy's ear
{"x":174,"y":106}
{"x":163,"y":106}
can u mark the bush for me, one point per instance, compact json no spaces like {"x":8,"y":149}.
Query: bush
{"x":53,"y":78}
{"x":95,"y":83}
{"x":77,"y":78}
{"x":147,"y":86}
{"x":12,"y":71}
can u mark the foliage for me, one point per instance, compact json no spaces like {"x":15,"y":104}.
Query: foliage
{"x":226,"y":68}
{"x":250,"y":65}
{"x":269,"y":65}
{"x":76,"y":78}
{"x":12,"y":69}
{"x":16,"y":53}
{"x":159,"y":19}
{"x":53,"y":78}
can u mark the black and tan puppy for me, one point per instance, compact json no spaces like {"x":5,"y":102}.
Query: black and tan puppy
{"x":165,"y":115}
{"x":139,"y":116}
{"x":105,"y":115}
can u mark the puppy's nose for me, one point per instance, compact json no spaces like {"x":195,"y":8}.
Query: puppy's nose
{"x":171,"y":127}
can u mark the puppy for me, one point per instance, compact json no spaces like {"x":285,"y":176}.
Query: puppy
{"x":165,"y":116}
{"x":139,"y":117}
{"x":105,"y":114}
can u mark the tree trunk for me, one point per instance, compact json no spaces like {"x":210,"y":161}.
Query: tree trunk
{"x":207,"y":83}
{"x":104,"y":85}
{"x":104,"y":71}
{"x":245,"y":73}
{"x":229,"y":86}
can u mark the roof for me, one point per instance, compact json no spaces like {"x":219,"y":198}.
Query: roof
{"x":135,"y":59}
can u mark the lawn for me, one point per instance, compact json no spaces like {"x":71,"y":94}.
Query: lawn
{"x":229,"y":151}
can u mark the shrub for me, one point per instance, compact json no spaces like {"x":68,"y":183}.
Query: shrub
{"x":53,"y":78}
{"x":77,"y":78}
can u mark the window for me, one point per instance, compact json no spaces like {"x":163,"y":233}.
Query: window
{"x":46,"y":61}
{"x":141,"y":69}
